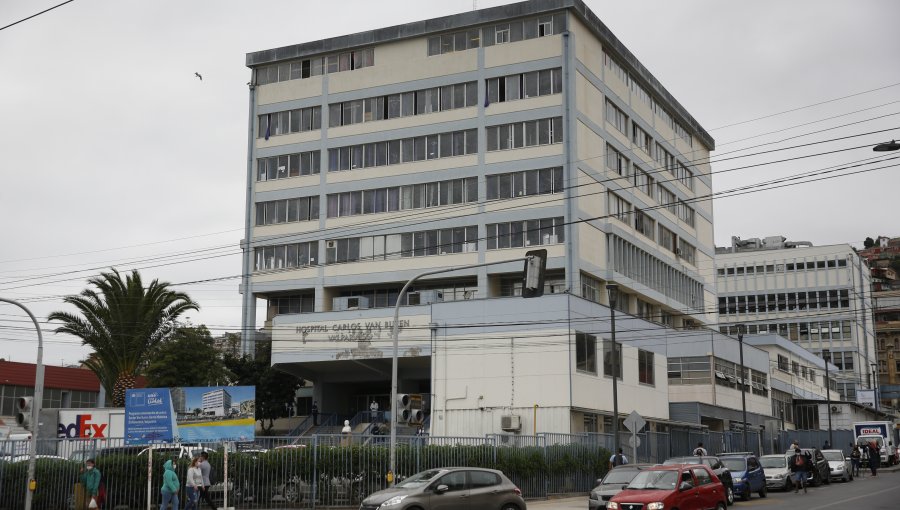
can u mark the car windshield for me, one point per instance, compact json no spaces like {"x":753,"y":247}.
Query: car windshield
{"x":734,"y":463}
{"x":654,"y":479}
{"x":839,"y":456}
{"x":879,"y":441}
{"x":620,"y":476}
{"x":683,"y":460}
{"x":419,"y":479}
{"x":773,"y":462}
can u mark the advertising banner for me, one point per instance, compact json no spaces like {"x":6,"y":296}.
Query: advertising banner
{"x":865,"y":397}
{"x":190,"y":415}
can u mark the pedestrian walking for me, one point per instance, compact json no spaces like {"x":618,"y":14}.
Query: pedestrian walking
{"x":700,"y":451}
{"x":799,"y":466}
{"x":170,"y":487}
{"x":826,"y":446}
{"x":315,"y":413}
{"x":619,"y":459}
{"x":874,"y":458}
{"x":205,"y":472}
{"x":373,"y":408}
{"x":90,"y":480}
{"x":855,"y":456}
{"x":194,"y":485}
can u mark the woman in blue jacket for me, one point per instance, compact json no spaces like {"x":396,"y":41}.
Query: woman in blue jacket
{"x":170,"y":487}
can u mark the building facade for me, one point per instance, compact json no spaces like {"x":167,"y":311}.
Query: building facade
{"x":817,"y":296}
{"x":887,"y":328}
{"x":216,"y":402}
{"x":463,"y":140}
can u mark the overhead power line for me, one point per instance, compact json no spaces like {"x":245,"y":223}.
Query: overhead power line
{"x":36,"y":15}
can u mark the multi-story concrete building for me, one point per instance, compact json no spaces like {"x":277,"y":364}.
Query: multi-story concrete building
{"x":887,"y":328}
{"x":470,"y":139}
{"x":216,"y":402}
{"x":817,"y":296}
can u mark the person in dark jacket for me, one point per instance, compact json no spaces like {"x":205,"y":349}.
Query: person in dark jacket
{"x":799,"y":466}
{"x":855,"y":456}
{"x":874,"y":458}
{"x":90,"y":479}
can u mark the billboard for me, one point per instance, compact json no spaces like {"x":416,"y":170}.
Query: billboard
{"x":190,"y":415}
{"x":865,"y":397}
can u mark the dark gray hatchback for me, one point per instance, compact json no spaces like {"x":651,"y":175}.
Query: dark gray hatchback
{"x":449,"y":489}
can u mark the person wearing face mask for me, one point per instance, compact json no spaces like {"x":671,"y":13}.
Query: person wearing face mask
{"x":90,"y":480}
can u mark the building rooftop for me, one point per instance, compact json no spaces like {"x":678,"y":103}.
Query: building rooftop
{"x":481,"y":17}
{"x":762,"y":341}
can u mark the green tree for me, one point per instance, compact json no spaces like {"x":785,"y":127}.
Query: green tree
{"x":188,"y":358}
{"x":274,"y":388}
{"x":868,"y":243}
{"x":122,"y":321}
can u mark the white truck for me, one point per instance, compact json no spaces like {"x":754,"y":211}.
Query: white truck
{"x":880,"y":433}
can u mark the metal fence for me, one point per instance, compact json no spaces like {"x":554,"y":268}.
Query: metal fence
{"x":333,"y":470}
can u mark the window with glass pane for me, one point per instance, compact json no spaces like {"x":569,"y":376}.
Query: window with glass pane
{"x":586,"y":353}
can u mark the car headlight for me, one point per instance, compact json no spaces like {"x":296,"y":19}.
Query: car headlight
{"x":781,"y":476}
{"x":612,"y":505}
{"x":594,"y":496}
{"x":839,"y":468}
{"x":737,"y":479}
{"x":656,"y":505}
{"x":393,"y":501}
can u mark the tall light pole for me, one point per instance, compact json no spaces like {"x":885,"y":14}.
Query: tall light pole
{"x":613,"y":291}
{"x":826,"y":355}
{"x":875,"y":382}
{"x":740,"y":328}
{"x":36,"y":406}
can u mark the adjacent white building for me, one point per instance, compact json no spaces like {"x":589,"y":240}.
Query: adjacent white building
{"x":471,"y":139}
{"x":216,"y":402}
{"x":817,"y":296}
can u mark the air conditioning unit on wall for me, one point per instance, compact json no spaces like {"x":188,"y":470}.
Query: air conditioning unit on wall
{"x":511,"y":423}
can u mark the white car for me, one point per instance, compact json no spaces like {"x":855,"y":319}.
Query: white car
{"x":778,"y":474}
{"x":839,"y":465}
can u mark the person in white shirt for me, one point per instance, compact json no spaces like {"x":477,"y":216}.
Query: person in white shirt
{"x":700,"y":451}
{"x":194,"y":484}
{"x":618,"y":459}
{"x":373,"y":407}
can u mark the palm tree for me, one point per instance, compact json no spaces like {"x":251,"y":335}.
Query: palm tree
{"x":122,"y":322}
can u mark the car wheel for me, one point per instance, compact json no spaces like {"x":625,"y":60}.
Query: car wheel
{"x":729,"y":496}
{"x":764,"y":491}
{"x":292,"y":493}
{"x":720,"y":506}
{"x":828,"y":479}
{"x":510,"y":506}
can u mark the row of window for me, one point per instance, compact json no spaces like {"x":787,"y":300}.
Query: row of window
{"x":525,"y":183}
{"x":635,"y":263}
{"x":524,"y":85}
{"x":799,"y":331}
{"x":291,"y":121}
{"x":642,"y":95}
{"x":287,"y":211}
{"x":497,"y":34}
{"x":300,"y":69}
{"x":781,"y":268}
{"x":690,"y":370}
{"x":410,"y":244}
{"x":524,"y":134}
{"x":729,"y":374}
{"x":394,"y":152}
{"x":586,"y":359}
{"x":522,"y":233}
{"x":288,"y":165}
{"x":622,"y":210}
{"x":785,"y":301}
{"x":397,"y":198}
{"x":283,"y":256}
{"x":642,"y":181}
{"x":406,"y":104}
{"x":785,"y":365}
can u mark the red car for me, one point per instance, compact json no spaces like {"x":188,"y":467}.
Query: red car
{"x":681,"y":486}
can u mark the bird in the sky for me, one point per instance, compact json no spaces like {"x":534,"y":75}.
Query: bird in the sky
{"x":198,"y":76}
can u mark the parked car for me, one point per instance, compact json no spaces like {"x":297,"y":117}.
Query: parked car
{"x":778,"y":475}
{"x":839,"y":465}
{"x":450,"y":489}
{"x":614,"y":481}
{"x":820,"y":472}
{"x":689,"y":486}
{"x":746,"y":474}
{"x":714,"y":464}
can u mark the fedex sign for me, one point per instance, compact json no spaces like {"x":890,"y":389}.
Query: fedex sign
{"x":82,"y":427}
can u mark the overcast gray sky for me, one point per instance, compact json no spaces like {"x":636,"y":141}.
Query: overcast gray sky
{"x":113,"y":153}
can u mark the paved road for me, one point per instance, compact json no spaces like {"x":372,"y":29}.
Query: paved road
{"x":879,"y":493}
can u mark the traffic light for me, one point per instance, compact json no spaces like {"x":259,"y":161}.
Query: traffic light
{"x":533,"y":278}
{"x":404,"y":409}
{"x":24,"y":406}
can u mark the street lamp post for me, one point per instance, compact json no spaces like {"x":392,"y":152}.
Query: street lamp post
{"x":743,"y":381}
{"x":826,"y":355}
{"x":36,"y":406}
{"x":875,"y":382}
{"x":613,"y":292}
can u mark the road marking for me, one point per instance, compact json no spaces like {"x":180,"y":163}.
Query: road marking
{"x":841,"y":502}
